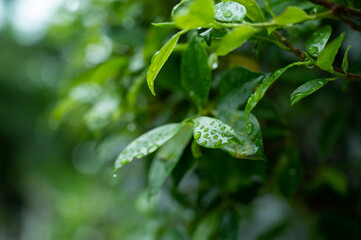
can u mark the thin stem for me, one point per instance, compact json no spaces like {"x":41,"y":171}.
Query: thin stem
{"x":338,"y":9}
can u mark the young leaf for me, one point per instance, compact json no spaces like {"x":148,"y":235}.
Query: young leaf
{"x":147,"y":143}
{"x":160,"y":58}
{"x":196,"y":75}
{"x":290,"y":16}
{"x":213,"y":133}
{"x":235,"y":87}
{"x":263,"y":87}
{"x":207,"y":36}
{"x":229,"y":12}
{"x":235,"y":39}
{"x":165,"y":24}
{"x":307,"y":89}
{"x":251,"y":146}
{"x":166,"y":159}
{"x":327,"y":56}
{"x":254,"y":12}
{"x":345,"y":60}
{"x":194,"y":14}
{"x":317,"y":42}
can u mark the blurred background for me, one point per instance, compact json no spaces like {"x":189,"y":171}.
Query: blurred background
{"x":72,"y":96}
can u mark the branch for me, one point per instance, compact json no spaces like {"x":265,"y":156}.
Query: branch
{"x":338,"y":9}
{"x":301,"y":55}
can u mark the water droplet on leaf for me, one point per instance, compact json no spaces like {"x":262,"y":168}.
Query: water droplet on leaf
{"x":197,"y":135}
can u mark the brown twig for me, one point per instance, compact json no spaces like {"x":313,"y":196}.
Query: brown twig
{"x":301,"y":55}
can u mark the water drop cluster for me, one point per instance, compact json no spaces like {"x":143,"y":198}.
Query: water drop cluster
{"x":229,"y":12}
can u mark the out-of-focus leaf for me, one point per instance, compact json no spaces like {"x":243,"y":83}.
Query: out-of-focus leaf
{"x":235,"y":87}
{"x":333,"y":178}
{"x":196,"y":151}
{"x":263,"y":87}
{"x":317,"y":42}
{"x":229,"y":11}
{"x":290,"y":16}
{"x":196,"y":75}
{"x":307,"y":89}
{"x":207,"y":36}
{"x":213,"y":133}
{"x":166,"y":159}
{"x":207,"y":226}
{"x":250,"y":146}
{"x":165,"y":24}
{"x":147,"y":143}
{"x":228,"y":226}
{"x":134,"y":88}
{"x":254,"y":12}
{"x":328,"y":54}
{"x":235,"y":39}
{"x":159,"y":59}
{"x":345,"y":60}
{"x":194,"y":14}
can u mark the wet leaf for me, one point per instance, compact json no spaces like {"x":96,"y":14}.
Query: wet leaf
{"x":328,"y":54}
{"x":194,"y":14}
{"x":213,"y":133}
{"x":196,"y":75}
{"x":166,"y":159}
{"x":254,"y":12}
{"x":263,"y":87}
{"x":251,"y":145}
{"x":229,"y":11}
{"x":307,"y":89}
{"x":147,"y":143}
{"x":290,"y":16}
{"x":345,"y":60}
{"x":159,"y":59}
{"x":317,"y":42}
{"x":207,"y":36}
{"x":235,"y":39}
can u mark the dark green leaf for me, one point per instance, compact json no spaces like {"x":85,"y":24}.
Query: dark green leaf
{"x":235,"y":39}
{"x":317,"y":42}
{"x":250,"y":146}
{"x":254,"y":12}
{"x":166,"y":159}
{"x":345,"y":60}
{"x":159,"y":59}
{"x":235,"y":87}
{"x":307,"y":89}
{"x":229,"y":12}
{"x":196,"y":75}
{"x":263,"y":87}
{"x":147,"y":143}
{"x":290,"y":16}
{"x":207,"y":36}
{"x":328,"y":54}
{"x":213,"y":133}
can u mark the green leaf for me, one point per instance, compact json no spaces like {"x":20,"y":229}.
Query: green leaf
{"x":147,"y":143}
{"x":290,"y":16}
{"x":235,"y":87}
{"x":307,"y":89}
{"x":327,"y":56}
{"x":213,"y":133}
{"x":194,"y":14}
{"x":207,"y":36}
{"x":254,"y":12}
{"x":317,"y":42}
{"x":263,"y":87}
{"x":160,"y":58}
{"x":207,"y":226}
{"x":345,"y":60}
{"x":196,"y":75}
{"x":229,"y":12}
{"x":165,"y":24}
{"x":166,"y":159}
{"x":251,"y":145}
{"x":235,"y":39}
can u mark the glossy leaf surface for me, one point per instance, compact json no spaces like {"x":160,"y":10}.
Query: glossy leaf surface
{"x":317,"y":42}
{"x":229,"y":11}
{"x":147,"y":143}
{"x":194,"y":14}
{"x":307,"y":89}
{"x":235,"y":39}
{"x":290,"y":16}
{"x":345,"y":60}
{"x":159,"y":59}
{"x":328,"y":54}
{"x":196,"y":75}
{"x":166,"y":159}
{"x":213,"y":133}
{"x":251,"y":145}
{"x":254,"y":12}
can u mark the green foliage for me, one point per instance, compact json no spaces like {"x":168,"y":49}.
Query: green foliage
{"x":345,"y":60}
{"x":254,"y":12}
{"x":291,"y":15}
{"x":317,"y":42}
{"x":328,"y":54}
{"x":307,"y":89}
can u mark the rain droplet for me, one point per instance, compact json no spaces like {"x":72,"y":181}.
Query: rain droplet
{"x":154,"y":69}
{"x":227,"y":14}
{"x":204,"y":143}
{"x":202,"y":127}
{"x":250,"y":128}
{"x":218,"y":143}
{"x":223,"y":135}
{"x":153,"y":148}
{"x":114,"y":175}
{"x":212,"y":123}
{"x":215,"y":137}
{"x":213,"y":132}
{"x":206,"y":130}
{"x":206,"y":135}
{"x":197,"y":135}
{"x":196,"y":124}
{"x":140,"y":155}
{"x":223,"y":128}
